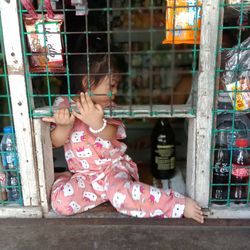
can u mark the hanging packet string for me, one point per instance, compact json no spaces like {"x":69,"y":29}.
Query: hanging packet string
{"x":31,"y":10}
{"x":49,"y":9}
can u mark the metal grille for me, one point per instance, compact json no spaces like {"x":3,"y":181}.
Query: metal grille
{"x":229,"y":185}
{"x":9,"y":177}
{"x":152,"y":72}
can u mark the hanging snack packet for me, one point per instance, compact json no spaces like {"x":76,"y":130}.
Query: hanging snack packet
{"x":183,"y":22}
{"x":236,"y":76}
{"x":239,"y":93}
{"x":44,"y":39}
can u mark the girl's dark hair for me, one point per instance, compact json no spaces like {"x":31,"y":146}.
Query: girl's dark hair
{"x":99,"y":66}
{"x":95,"y":66}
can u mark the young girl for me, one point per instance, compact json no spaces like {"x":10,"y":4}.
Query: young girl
{"x":99,"y":168}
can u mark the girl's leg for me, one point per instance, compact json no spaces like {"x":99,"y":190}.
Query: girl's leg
{"x":142,"y":200}
{"x":74,"y":194}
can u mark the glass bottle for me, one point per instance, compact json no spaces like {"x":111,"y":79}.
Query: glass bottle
{"x":163,"y":150}
{"x":221,"y":169}
{"x":240,"y":172}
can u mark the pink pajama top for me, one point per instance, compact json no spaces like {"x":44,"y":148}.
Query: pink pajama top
{"x":91,"y":155}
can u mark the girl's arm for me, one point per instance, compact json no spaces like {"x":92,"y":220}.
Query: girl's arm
{"x":64,"y":123}
{"x":92,"y":115}
{"x":59,"y":135}
{"x":108,"y":133}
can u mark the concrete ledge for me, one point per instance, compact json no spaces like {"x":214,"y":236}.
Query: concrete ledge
{"x":123,"y":233}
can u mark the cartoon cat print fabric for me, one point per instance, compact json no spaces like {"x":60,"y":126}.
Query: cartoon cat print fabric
{"x":101,"y":171}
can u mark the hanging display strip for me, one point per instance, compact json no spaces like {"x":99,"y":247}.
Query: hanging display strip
{"x":230,"y":152}
{"x":18,"y":109}
{"x":44,"y":39}
{"x":10,"y":182}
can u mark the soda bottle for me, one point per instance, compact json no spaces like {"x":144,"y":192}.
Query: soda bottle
{"x":10,"y":163}
{"x":221,"y":169}
{"x":163,"y":150}
{"x":240,"y":172}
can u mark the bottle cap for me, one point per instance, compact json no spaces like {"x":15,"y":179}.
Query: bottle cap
{"x":241,"y":143}
{"x":8,"y":130}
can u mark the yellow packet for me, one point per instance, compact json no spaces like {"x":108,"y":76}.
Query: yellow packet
{"x":239,"y":92}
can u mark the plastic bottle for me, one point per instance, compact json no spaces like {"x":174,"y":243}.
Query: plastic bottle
{"x":221,"y":169}
{"x":163,"y":150}
{"x":10,"y":163}
{"x":240,"y":172}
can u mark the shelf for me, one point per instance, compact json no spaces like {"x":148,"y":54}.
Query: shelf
{"x":133,"y":111}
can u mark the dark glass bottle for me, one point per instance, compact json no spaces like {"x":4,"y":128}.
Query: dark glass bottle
{"x":221,"y":170}
{"x":163,"y":150}
{"x":240,"y":172}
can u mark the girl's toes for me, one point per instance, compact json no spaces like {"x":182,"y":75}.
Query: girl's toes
{"x":199,"y":219}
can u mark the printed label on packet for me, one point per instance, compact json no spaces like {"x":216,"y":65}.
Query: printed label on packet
{"x":49,"y":37}
{"x":239,"y":91}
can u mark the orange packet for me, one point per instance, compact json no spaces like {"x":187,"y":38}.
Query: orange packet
{"x":183,"y":22}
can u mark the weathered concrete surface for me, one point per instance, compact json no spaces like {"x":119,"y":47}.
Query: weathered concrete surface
{"x":123,"y":233}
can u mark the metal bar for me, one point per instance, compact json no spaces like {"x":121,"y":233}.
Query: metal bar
{"x":128,"y":111}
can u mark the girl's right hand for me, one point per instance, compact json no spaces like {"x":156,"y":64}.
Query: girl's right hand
{"x":61,"y":118}
{"x":89,"y":112}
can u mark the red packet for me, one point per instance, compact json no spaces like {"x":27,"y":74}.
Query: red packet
{"x":44,"y":39}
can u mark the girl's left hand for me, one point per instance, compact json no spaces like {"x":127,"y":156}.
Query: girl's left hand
{"x":90,"y":113}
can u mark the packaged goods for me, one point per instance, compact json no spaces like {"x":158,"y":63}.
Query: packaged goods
{"x":236,"y":77}
{"x":239,"y":93}
{"x":163,"y":150}
{"x":240,"y":171}
{"x":221,"y":167}
{"x":44,"y":39}
{"x":183,"y":21}
{"x":231,"y":158}
{"x":10,"y":164}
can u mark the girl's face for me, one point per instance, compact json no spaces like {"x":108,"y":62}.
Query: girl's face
{"x":102,"y":91}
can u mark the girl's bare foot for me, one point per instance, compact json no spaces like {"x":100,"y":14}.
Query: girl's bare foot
{"x":193,"y":210}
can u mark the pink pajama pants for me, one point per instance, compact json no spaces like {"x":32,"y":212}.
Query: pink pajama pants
{"x":78,"y":193}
